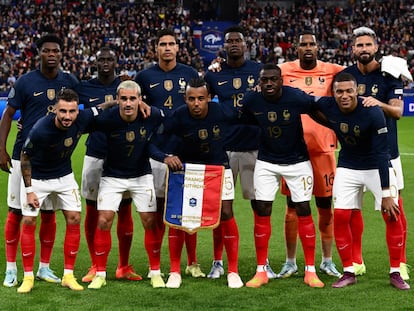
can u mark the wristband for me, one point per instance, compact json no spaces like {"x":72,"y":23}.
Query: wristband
{"x":29,"y":189}
{"x":386,"y":193}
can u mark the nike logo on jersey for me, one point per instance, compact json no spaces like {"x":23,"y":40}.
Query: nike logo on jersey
{"x":221,"y":83}
{"x":258,"y":113}
{"x":153,"y":85}
{"x":35,"y":94}
{"x":292,"y":80}
{"x":93,"y":99}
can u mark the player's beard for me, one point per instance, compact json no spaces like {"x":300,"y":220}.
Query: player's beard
{"x":364,"y":60}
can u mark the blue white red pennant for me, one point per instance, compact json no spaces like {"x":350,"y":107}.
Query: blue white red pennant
{"x":193,"y":197}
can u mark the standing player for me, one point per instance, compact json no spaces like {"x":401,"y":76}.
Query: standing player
{"x":202,"y":127}
{"x":235,"y":76}
{"x":34,"y":95}
{"x":163,"y":86}
{"x":313,"y":77}
{"x":363,"y":161}
{"x":47,"y":173}
{"x":282,"y":153}
{"x":92,"y":92}
{"x":385,"y":91}
{"x":126,"y":168}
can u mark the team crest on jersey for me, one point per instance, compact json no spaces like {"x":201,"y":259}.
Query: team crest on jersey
{"x":182,"y":84}
{"x":286,"y":115}
{"x":68,"y":142}
{"x":272,"y":116}
{"x":250,"y":82}
{"x":216,"y":131}
{"x":202,"y":134}
{"x":308,"y":81}
{"x":143,"y":132}
{"x":130,"y":136}
{"x":168,"y":85}
{"x":374,"y":90}
{"x":109,"y":98}
{"x":357,"y":131}
{"x":237,"y":83}
{"x":344,"y":128}
{"x":361,"y":89}
{"x":51,"y":94}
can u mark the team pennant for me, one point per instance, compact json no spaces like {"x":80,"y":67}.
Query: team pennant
{"x":193,"y":197}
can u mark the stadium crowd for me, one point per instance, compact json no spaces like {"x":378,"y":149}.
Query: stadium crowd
{"x":130,"y":29}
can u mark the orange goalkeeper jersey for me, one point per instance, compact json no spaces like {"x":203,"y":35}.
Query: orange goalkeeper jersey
{"x":317,"y":82}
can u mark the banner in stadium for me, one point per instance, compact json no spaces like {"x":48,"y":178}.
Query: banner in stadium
{"x":193,"y":197}
{"x":209,"y":39}
{"x":408,"y":102}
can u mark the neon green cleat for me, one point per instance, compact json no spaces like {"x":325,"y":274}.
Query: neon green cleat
{"x":97,"y":283}
{"x":404,"y":271}
{"x":27,"y":285}
{"x":195,"y":271}
{"x":70,"y":281}
{"x":157,"y":281}
{"x":359,"y":269}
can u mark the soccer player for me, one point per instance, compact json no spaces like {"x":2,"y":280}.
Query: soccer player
{"x":229,"y":82}
{"x":47,"y":173}
{"x":34,"y":95}
{"x":126,"y":168}
{"x":282,"y":153}
{"x":92,"y":92}
{"x":363,"y":161}
{"x":314,"y":77}
{"x":163,"y":86}
{"x":202,"y":126}
{"x":385,"y":91}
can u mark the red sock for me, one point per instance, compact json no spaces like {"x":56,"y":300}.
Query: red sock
{"x":191,"y":246}
{"x":307,"y":235}
{"x":262,"y":232}
{"x":218,"y":243}
{"x":230,"y":233}
{"x":47,"y":235}
{"x":343,"y":235}
{"x":403,"y":220}
{"x":357,"y":228}
{"x":71,"y":245}
{"x":91,"y":221}
{"x":291,"y":228}
{"x":12,"y":235}
{"x":152,"y":246}
{"x":28,"y":247}
{"x":325,"y":223}
{"x":124,"y":230}
{"x":103,"y":244}
{"x":175,"y":244}
{"x":394,"y":236}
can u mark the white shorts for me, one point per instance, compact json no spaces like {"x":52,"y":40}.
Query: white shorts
{"x":63,"y":192}
{"x":159,"y":171}
{"x":141,"y":189}
{"x":227,"y":192}
{"x":243,"y":163}
{"x":14,"y":186}
{"x":349,"y":185}
{"x":91,"y":176}
{"x":298,"y":177}
{"x":397,"y":166}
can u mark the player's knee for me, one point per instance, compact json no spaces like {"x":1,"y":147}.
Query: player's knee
{"x":263,"y":208}
{"x":323,"y":202}
{"x":303,"y":208}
